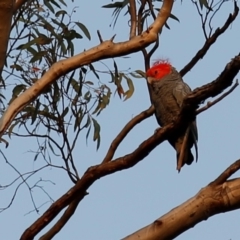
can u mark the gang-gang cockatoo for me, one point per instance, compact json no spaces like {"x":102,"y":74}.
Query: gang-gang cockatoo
{"x":167,"y":93}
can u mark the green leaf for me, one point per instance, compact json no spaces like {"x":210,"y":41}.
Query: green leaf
{"x":18,"y":89}
{"x":48,"y":5}
{"x":116,"y":4}
{"x":87,"y":96}
{"x":96,"y":135}
{"x":205,"y":4}
{"x":89,"y":83}
{"x":51,"y":147}
{"x":174,"y":17}
{"x":140,"y":72}
{"x":78,"y":119}
{"x":17,"y":67}
{"x":61,"y":12}
{"x":115,"y":68}
{"x":65,"y":112}
{"x":93,"y":70}
{"x":38,"y":56}
{"x":35,"y":112}
{"x":130,"y":92}
{"x":84,"y":29}
{"x":36,"y":156}
{"x":11,"y":128}
{"x":88,"y":124}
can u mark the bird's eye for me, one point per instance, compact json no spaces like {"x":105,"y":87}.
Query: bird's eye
{"x":156,"y":72}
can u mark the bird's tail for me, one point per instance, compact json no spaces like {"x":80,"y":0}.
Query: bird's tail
{"x":184,"y":154}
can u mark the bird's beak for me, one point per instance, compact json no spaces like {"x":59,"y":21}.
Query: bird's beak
{"x":150,"y":80}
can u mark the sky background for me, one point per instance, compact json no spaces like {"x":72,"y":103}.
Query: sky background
{"x":120,"y":204}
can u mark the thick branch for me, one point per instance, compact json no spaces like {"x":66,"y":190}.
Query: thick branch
{"x":63,"y":220}
{"x":107,"y":49}
{"x":18,"y":4}
{"x":209,"y":201}
{"x":94,"y":173}
{"x":210,"y":41}
{"x":6,"y":13}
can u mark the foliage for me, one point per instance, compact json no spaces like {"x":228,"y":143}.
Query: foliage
{"x":43,"y":34}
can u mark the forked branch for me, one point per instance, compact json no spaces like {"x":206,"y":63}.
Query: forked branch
{"x":106,"y":49}
{"x":210,"y":41}
{"x":222,"y":196}
{"x":123,"y":133}
{"x":96,"y":172}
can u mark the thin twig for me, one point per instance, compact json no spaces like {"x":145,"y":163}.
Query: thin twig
{"x":123,"y":133}
{"x":139,"y":18}
{"x":223,"y":177}
{"x":210,"y":104}
{"x":99,"y":36}
{"x":201,"y":53}
{"x":63,"y":219}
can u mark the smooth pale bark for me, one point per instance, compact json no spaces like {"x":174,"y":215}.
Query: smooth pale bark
{"x":209,"y":201}
{"x":6,"y":13}
{"x":106,"y":49}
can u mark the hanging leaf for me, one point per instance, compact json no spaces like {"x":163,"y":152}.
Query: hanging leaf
{"x":130,"y":91}
{"x":96,"y":135}
{"x":205,"y":4}
{"x":18,"y":89}
{"x":35,"y":112}
{"x":84,"y":29}
{"x":65,"y":112}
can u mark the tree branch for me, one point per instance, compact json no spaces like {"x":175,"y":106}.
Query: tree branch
{"x":127,"y":128}
{"x":226,"y":174}
{"x":133,"y":16}
{"x":209,"y":201}
{"x":6,"y":13}
{"x":210,"y":104}
{"x":210,"y":41}
{"x":107,"y":49}
{"x":64,"y":219}
{"x":94,"y":173}
{"x":18,"y":4}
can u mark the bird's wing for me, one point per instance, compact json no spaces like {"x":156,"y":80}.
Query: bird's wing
{"x":180,"y":92}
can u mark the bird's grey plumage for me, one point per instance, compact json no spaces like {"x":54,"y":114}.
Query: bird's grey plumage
{"x":167,"y":98}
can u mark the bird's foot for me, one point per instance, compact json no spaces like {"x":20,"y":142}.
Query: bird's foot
{"x":156,"y":130}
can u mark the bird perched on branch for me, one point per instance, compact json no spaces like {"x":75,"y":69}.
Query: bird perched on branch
{"x":167,"y":92}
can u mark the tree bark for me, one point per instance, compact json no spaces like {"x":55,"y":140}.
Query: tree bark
{"x":209,"y":201}
{"x":6,"y":13}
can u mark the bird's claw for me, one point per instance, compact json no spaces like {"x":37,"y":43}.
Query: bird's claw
{"x":156,"y":130}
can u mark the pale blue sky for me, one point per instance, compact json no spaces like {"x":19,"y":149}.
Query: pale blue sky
{"x":120,"y":204}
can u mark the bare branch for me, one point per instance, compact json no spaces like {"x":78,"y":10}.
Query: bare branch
{"x":226,"y":174}
{"x":133,"y":18}
{"x":210,"y":104}
{"x":127,"y":128}
{"x":209,"y":201}
{"x":190,"y":104}
{"x":139,"y":17}
{"x":6,"y":13}
{"x":99,"y":36}
{"x":210,"y":41}
{"x":63,"y":220}
{"x":107,"y":49}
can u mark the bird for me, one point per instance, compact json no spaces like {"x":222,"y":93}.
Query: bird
{"x":167,"y":93}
